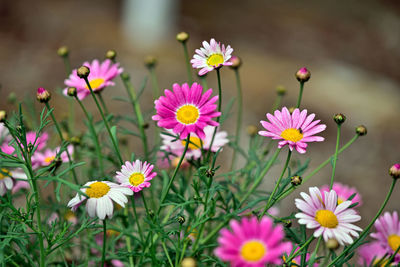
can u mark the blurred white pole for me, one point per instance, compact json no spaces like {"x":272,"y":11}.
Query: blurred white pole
{"x":147,"y":22}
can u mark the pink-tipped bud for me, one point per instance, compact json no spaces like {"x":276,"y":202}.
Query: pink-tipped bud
{"x":42,"y":95}
{"x":236,"y":62}
{"x":394,"y":171}
{"x":303,"y":75}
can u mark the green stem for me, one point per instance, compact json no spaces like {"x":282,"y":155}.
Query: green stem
{"x":314,"y":254}
{"x":366,"y":230}
{"x":113,"y":141}
{"x":103,"y":103}
{"x":103,"y":254}
{"x":137,"y":219}
{"x":271,"y":197}
{"x":239,"y":115}
{"x":62,"y":140}
{"x":300,"y":94}
{"x":187,"y":61}
{"x":166,"y":253}
{"x":335,"y":156}
{"x":300,"y":249}
{"x":154,"y":83}
{"x":128,"y":239}
{"x":67,"y":65}
{"x":277,"y":103}
{"x":203,"y":82}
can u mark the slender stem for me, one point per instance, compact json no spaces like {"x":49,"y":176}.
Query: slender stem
{"x":271,"y":197}
{"x":166,"y":253}
{"x":136,"y":107}
{"x":187,"y":61}
{"x":300,"y":94}
{"x":203,"y":82}
{"x":335,"y":156}
{"x":300,"y":249}
{"x":95,"y":138}
{"x":314,"y":254}
{"x":62,"y":140}
{"x":366,"y":230}
{"x":137,"y":219}
{"x":114,"y":142}
{"x":277,"y":103}
{"x":154,"y":83}
{"x":163,"y":197}
{"x":103,"y":103}
{"x":67,"y":65}
{"x":103,"y":254}
{"x":239,"y":115}
{"x":323,"y":164}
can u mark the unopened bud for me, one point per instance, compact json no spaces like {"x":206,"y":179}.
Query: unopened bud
{"x":188,"y":262}
{"x":30,"y":147}
{"x":280,"y":90}
{"x":151,"y":213}
{"x":42,"y":95}
{"x":12,"y":98}
{"x":303,"y":75}
{"x":3,"y":115}
{"x":83,"y":72}
{"x":72,"y":91}
{"x":332,"y":244}
{"x":63,"y":51}
{"x":125,"y":76}
{"x":394,"y":171}
{"x":296,"y":180}
{"x":146,"y":125}
{"x":210,"y":173}
{"x":111,"y":54}
{"x":150,"y":61}
{"x":291,"y":109}
{"x":182,"y":37}
{"x":252,"y":130}
{"x":339,"y":118}
{"x":75,"y":140}
{"x":236,"y":62}
{"x":180,"y":219}
{"x":361,"y":130}
{"x":287,"y":223}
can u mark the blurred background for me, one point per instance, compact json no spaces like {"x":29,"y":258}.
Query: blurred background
{"x":352,"y":50}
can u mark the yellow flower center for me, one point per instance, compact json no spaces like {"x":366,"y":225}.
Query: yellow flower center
{"x":253,"y":251}
{"x":97,"y":190}
{"x":195,"y":143}
{"x":48,"y":160}
{"x":4,"y":173}
{"x":326,"y":218}
{"x":215,"y":60}
{"x":394,"y":242}
{"x":187,"y":114}
{"x":95,"y":83}
{"x":136,"y":178}
{"x":292,"y":134}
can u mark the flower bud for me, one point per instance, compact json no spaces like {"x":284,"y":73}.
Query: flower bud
{"x":146,"y":125}
{"x":339,"y":118}
{"x":188,"y":262}
{"x":75,"y":140}
{"x":182,"y":37}
{"x":111,"y":54}
{"x":394,"y":171}
{"x":12,"y":98}
{"x":151,"y":213}
{"x":63,"y":51}
{"x":210,"y":173}
{"x":296,"y":180}
{"x":83,"y":72}
{"x":42,"y":95}
{"x":303,"y":75}
{"x":30,"y":147}
{"x":361,"y":130}
{"x":287,"y":223}
{"x":332,"y":244}
{"x":236,"y":62}
{"x":280,"y":90}
{"x":252,"y":130}
{"x":180,"y":219}
{"x":150,"y":61}
{"x":125,"y":76}
{"x":3,"y":115}
{"x":72,"y":91}
{"x":291,"y":109}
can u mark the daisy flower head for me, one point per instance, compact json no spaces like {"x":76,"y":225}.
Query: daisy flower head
{"x":101,"y":195}
{"x":100,"y":76}
{"x":327,"y":217}
{"x":39,"y":141}
{"x":49,"y":155}
{"x":7,"y":179}
{"x":344,"y":192}
{"x":295,"y":130}
{"x":252,"y":243}
{"x":186,"y":110}
{"x":135,"y":175}
{"x":371,"y":254}
{"x":211,"y":56}
{"x":177,"y":146}
{"x":388,"y":232}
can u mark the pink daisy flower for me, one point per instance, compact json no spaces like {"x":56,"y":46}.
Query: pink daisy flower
{"x":186,"y":110}
{"x":100,"y":76}
{"x":388,"y":232}
{"x":211,"y":56}
{"x":136,"y":175}
{"x":6,"y":148}
{"x":344,"y":192}
{"x":41,"y":140}
{"x":327,"y":217}
{"x":166,"y":159}
{"x":101,"y":196}
{"x":295,"y":130}
{"x":252,"y":243}
{"x":48,"y":156}
{"x":177,"y":146}
{"x":372,"y":253}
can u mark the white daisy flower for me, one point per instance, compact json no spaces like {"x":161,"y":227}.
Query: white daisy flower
{"x":328,"y":218}
{"x":7,"y":179}
{"x":135,"y":175}
{"x":211,"y":56}
{"x":101,"y":196}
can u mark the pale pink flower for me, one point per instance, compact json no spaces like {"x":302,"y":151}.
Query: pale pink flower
{"x":135,"y":175}
{"x":344,"y":192}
